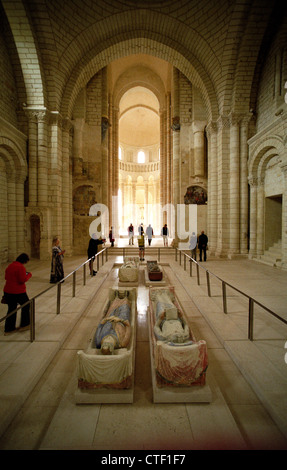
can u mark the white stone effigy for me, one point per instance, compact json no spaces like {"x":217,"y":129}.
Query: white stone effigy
{"x":179,"y":362}
{"x":129,"y":271}
{"x":105,"y":371}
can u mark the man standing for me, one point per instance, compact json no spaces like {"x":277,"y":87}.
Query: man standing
{"x":192,"y":245}
{"x":131,"y":234}
{"x":149,"y":232}
{"x":92,"y":251}
{"x":164,"y":234}
{"x":202,"y":245}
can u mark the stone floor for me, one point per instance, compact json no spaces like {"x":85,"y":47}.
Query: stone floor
{"x":248,"y":379}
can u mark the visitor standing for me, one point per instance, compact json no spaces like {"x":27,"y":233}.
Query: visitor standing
{"x":192,"y":245}
{"x":57,"y":267}
{"x":15,"y":293}
{"x":92,"y":251}
{"x":149,"y":233}
{"x":165,"y":234}
{"x":202,"y":245}
{"x":141,"y":247}
{"x":111,"y":237}
{"x":131,"y":234}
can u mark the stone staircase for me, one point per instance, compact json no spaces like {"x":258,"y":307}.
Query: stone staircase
{"x":272,"y":256}
{"x":150,"y":251}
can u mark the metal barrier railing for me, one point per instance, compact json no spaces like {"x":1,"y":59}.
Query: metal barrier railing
{"x":58,"y":285}
{"x":224,"y":284}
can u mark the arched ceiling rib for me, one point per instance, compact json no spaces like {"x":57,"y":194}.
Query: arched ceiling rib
{"x":27,"y":50}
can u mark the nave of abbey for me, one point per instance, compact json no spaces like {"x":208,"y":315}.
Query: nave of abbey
{"x":146,"y":112}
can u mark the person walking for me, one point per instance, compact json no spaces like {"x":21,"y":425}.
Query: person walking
{"x":111,"y":237}
{"x":149,"y":233}
{"x":57,"y":267}
{"x":202,"y":245}
{"x":15,"y":293}
{"x":92,"y":251}
{"x":141,"y":247}
{"x":131,"y":234}
{"x":165,"y":234}
{"x":192,"y":245}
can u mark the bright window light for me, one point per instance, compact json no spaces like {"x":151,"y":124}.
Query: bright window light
{"x":141,"y":157}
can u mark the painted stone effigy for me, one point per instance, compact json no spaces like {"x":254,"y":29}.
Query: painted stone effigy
{"x":178,"y":358}
{"x":109,"y":360}
{"x":129,"y":271}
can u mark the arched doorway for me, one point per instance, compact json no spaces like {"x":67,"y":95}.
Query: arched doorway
{"x":139,"y":141}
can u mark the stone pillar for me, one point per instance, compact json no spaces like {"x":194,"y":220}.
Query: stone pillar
{"x":12,"y":217}
{"x":163,"y":160}
{"x":66,"y":186}
{"x":56,"y":173}
{"x":223,"y":142}
{"x":110,"y":160}
{"x":234,"y":185}
{"x":176,"y":148}
{"x":20,"y":214}
{"x":198,"y":136}
{"x":105,"y":137}
{"x":284,"y":218}
{"x":253,"y":216}
{"x":42,"y":159}
{"x":244,"y":186}
{"x":212,"y":186}
{"x":133,"y":201}
{"x":115,"y":169}
{"x":169,"y":167}
{"x":32,"y":152}
{"x":260,"y":216}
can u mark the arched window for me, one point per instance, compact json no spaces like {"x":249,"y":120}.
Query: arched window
{"x":141,"y":157}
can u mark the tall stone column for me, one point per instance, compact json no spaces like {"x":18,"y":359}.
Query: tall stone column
{"x":234,"y":185}
{"x":169,"y":166}
{"x":260,"y":216}
{"x":42,"y":158}
{"x":223,"y":142}
{"x":212,"y":186}
{"x":163,"y":160}
{"x":56,"y":173}
{"x":244,"y":186}
{"x":110,"y":159}
{"x":19,"y":187}
{"x":176,"y":148}
{"x":284,"y":218}
{"x":198,"y":136}
{"x":105,"y":137}
{"x":253,"y":216}
{"x":12,"y":220}
{"x":66,"y":186}
{"x":115,"y":168}
{"x":32,"y":151}
{"x":133,"y":201}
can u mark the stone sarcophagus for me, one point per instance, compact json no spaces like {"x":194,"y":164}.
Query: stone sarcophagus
{"x":154,"y":271}
{"x":179,"y":362}
{"x":129,"y":271}
{"x":105,"y":370}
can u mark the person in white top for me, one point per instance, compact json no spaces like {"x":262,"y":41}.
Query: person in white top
{"x":149,"y":232}
{"x":192,"y":245}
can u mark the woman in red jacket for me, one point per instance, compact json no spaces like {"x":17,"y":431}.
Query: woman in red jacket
{"x":15,"y":293}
